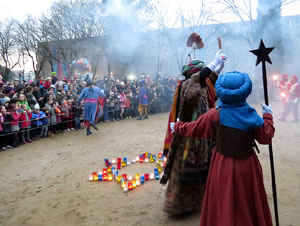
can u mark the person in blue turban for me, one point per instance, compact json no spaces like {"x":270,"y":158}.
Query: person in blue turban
{"x":235,"y":192}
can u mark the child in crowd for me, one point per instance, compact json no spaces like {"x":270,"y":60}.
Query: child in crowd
{"x":78,"y":112}
{"x":25,"y":123}
{"x":15,"y":123}
{"x":50,"y":109}
{"x":36,"y":123}
{"x":6,"y":129}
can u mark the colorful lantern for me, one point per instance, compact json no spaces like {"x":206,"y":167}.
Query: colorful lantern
{"x":125,"y":189}
{"x":138,"y":182}
{"x":104,"y":171}
{"x":159,"y":155}
{"x":142,"y":179}
{"x":119,"y":177}
{"x":156,"y":176}
{"x":99,"y":177}
{"x":104,"y":177}
{"x":119,"y":160}
{"x":133,"y":183}
{"x":119,"y":166}
{"x":141,"y":159}
{"x":123,"y":184}
{"x":91,"y":177}
{"x":146,"y":176}
{"x":129,"y":186}
{"x":113,"y":161}
{"x":95,"y":176}
{"x":124,"y":176}
{"x":152,"y":176}
{"x":129,"y":177}
{"x":159,"y":169}
{"x":137,"y":158}
{"x":110,"y":177}
{"x":123,"y":164}
{"x":125,"y":160}
{"x":137,"y":176}
{"x":146,"y":160}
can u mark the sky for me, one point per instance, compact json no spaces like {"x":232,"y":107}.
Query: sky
{"x":19,"y":9}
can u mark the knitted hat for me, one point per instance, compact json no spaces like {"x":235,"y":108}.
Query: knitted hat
{"x":233,"y":87}
{"x":192,"y":67}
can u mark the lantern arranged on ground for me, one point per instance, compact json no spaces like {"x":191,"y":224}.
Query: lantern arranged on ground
{"x":110,"y":177}
{"x":119,"y":177}
{"x":129,"y":177}
{"x":123,"y":184}
{"x":104,"y":177}
{"x":91,"y":177}
{"x":129,"y":186}
{"x":95,"y":176}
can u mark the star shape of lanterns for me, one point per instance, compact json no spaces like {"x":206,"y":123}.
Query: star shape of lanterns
{"x":129,"y":181}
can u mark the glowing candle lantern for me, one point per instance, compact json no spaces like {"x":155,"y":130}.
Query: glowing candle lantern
{"x":165,"y":159}
{"x":119,"y":177}
{"x":137,"y":158}
{"x":100,"y":177}
{"x":151,"y":159}
{"x":142,"y":178}
{"x":133,"y":183}
{"x":123,"y":164}
{"x":113,"y":161}
{"x":129,"y":186}
{"x":125,"y":160}
{"x":95,"y":176}
{"x":106,"y":163}
{"x":129,"y":177}
{"x":104,"y":171}
{"x":149,"y":154}
{"x":141,"y":159}
{"x":108,"y":170}
{"x":138,"y":182}
{"x":123,"y":184}
{"x":116,"y":173}
{"x":124,"y":176}
{"x":104,"y":177}
{"x":156,"y":170}
{"x":128,"y":163}
{"x":106,"y":160}
{"x":146,"y":176}
{"x":119,"y":160}
{"x":152,"y":176}
{"x":110,"y":177}
{"x":125,"y":189}
{"x":144,"y":155}
{"x":154,"y":157}
{"x":156,"y":176}
{"x":137,"y":176}
{"x":146,"y":160}
{"x":159,"y":155}
{"x":91,"y":177}
{"x":119,"y":166}
{"x":133,"y":161}
{"x":159,"y":169}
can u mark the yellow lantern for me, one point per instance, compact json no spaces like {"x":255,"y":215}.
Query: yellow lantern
{"x":123,"y":185}
{"x":151,"y":159}
{"x":123,"y":164}
{"x":108,"y":170}
{"x":137,"y":176}
{"x":110,"y":177}
{"x":91,"y":178}
{"x":133,"y":183}
{"x":119,"y":177}
{"x":129,"y":177}
{"x":159,"y":169}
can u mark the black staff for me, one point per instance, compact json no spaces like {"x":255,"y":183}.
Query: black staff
{"x":262,"y":54}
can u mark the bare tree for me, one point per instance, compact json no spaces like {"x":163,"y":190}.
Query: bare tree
{"x":10,"y":55}
{"x":176,"y":31}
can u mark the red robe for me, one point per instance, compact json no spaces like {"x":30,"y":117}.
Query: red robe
{"x":235,"y":193}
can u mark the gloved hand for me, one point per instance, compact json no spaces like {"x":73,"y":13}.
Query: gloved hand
{"x":220,"y":67}
{"x":267,"y":109}
{"x":172,"y":127}
{"x":219,"y":58}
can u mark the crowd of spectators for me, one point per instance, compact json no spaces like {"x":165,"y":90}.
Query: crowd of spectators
{"x":32,"y":110}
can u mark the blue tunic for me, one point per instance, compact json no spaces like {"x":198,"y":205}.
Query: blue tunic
{"x":90,"y":96}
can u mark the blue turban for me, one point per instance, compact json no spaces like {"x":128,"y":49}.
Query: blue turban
{"x":233,"y":88}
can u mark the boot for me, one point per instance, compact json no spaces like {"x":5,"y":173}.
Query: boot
{"x":146,"y":117}
{"x":139,"y":118}
{"x":88,"y":131}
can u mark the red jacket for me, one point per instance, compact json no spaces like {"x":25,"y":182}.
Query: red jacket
{"x":25,"y":119}
{"x":47,"y":84}
{"x":15,"y":120}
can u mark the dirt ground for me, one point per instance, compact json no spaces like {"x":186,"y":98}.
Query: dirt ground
{"x":46,"y":182}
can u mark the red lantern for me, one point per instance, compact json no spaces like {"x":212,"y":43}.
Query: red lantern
{"x":104,"y":177}
{"x":146,"y":176}
{"x":119,"y":166}
{"x":119,"y":160}
{"x":124,"y":176}
{"x":104,"y":171}
{"x":95,"y":176}
{"x":129,"y":186}
{"x":144,"y":155}
{"x":159,"y":155}
{"x":141,"y":159}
